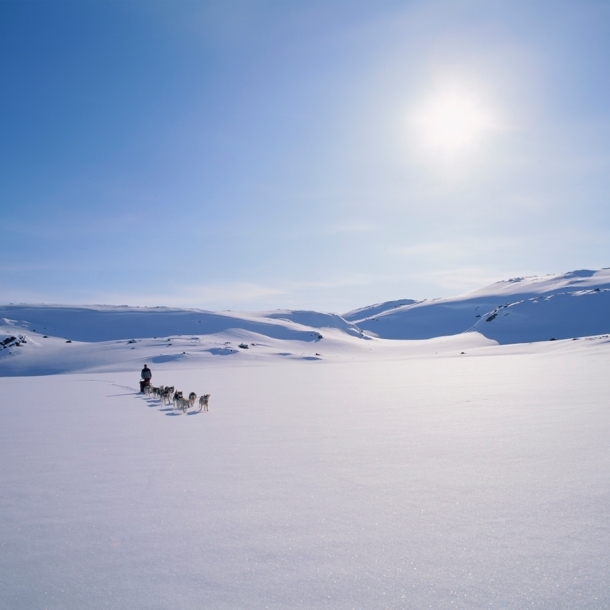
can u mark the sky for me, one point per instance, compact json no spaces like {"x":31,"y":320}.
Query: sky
{"x":327,"y":155}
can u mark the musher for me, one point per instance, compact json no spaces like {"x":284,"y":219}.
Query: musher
{"x":146,"y":375}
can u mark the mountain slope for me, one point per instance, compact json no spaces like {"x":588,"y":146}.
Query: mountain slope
{"x":107,"y":323}
{"x":426,"y":319}
{"x":561,"y":315}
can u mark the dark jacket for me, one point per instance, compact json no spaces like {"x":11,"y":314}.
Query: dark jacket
{"x":146,"y":373}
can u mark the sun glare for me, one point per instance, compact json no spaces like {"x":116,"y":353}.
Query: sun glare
{"x":452,"y":121}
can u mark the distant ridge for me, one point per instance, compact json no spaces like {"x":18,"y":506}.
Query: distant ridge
{"x":374,"y":310}
{"x":95,"y":323}
{"x":517,"y":310}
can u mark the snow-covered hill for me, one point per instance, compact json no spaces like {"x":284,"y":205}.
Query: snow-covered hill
{"x":94,"y":323}
{"x":44,"y":339}
{"x":557,"y":314}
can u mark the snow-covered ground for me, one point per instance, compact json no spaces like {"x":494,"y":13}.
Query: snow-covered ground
{"x":332,"y":470}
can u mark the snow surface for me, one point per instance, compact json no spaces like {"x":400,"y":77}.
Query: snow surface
{"x":332,"y":470}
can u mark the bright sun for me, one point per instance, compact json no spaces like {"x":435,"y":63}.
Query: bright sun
{"x":453,"y":120}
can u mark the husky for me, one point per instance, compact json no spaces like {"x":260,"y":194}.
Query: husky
{"x":177,"y":398}
{"x":180,"y":402}
{"x":155,"y":391}
{"x":167,"y":394}
{"x":203,"y":402}
{"x":192,"y":398}
{"x":183,"y":404}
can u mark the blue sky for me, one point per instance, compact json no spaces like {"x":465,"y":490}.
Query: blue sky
{"x":324,"y":155}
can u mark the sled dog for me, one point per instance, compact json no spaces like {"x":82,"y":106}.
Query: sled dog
{"x":203,"y":402}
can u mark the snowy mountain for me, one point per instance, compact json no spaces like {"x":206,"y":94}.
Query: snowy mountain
{"x":559,"y":315}
{"x":51,"y":339}
{"x":46,"y":339}
{"x":534,"y":308}
{"x":106,"y":323}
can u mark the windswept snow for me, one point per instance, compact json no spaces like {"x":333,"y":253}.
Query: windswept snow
{"x":38,"y":356}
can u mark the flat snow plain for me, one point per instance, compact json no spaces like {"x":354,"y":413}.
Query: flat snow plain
{"x":388,"y":476}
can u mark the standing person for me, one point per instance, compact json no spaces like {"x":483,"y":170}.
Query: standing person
{"x":146,"y":375}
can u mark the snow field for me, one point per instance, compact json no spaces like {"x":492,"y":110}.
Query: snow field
{"x":475,"y":481}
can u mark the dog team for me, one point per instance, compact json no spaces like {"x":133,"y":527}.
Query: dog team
{"x":170,"y":395}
